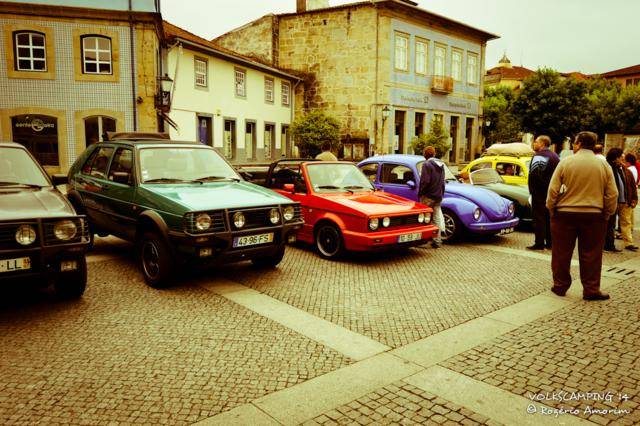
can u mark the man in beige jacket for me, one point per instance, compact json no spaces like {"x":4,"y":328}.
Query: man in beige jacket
{"x":582,"y":195}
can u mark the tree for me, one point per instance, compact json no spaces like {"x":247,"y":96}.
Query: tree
{"x":600,"y":106}
{"x":503,"y":125}
{"x":437,"y":138}
{"x":627,"y":110}
{"x":550,"y":105}
{"x":312,"y":129}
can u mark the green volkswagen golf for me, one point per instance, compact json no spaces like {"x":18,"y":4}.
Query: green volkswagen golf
{"x":181,"y":204}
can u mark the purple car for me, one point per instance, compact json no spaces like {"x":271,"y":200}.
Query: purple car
{"x":466,"y":208}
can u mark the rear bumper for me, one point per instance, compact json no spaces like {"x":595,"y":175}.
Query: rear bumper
{"x":492,"y":227}
{"x":384,"y":240}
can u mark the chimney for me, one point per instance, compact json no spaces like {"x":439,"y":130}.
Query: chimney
{"x":307,"y":5}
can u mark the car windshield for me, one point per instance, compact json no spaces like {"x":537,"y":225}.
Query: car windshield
{"x":18,"y":168}
{"x":448,"y":175}
{"x":184,"y":164}
{"x":485,"y":177}
{"x":333,"y":177}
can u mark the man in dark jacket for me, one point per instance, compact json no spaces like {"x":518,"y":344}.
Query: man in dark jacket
{"x":431,"y":189}
{"x":614,"y":155}
{"x":541,"y":168}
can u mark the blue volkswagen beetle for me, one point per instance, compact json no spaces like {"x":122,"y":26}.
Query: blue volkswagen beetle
{"x":466,"y":208}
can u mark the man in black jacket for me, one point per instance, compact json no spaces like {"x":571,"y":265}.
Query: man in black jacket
{"x":541,"y":168}
{"x":431,"y":189}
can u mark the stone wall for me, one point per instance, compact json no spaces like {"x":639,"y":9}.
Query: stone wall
{"x":146,"y":50}
{"x":255,"y":39}
{"x":336,"y":50}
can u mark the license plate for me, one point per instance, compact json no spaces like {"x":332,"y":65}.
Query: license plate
{"x":10,"y":265}
{"x":253,"y":240}
{"x":506,"y":231}
{"x":410,"y":237}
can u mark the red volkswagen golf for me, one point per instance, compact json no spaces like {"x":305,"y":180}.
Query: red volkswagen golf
{"x":343,"y":211}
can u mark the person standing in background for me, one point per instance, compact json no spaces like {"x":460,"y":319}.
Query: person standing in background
{"x":541,"y":168}
{"x":613,"y":159}
{"x":431,"y":189}
{"x":631,"y":201}
{"x":326,"y":154}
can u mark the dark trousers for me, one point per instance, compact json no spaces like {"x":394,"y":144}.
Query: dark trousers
{"x":541,"y":222}
{"x":610,"y":238}
{"x":589,"y":229}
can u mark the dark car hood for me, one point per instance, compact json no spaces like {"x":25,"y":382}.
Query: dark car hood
{"x":492,"y":204}
{"x":26,"y":203}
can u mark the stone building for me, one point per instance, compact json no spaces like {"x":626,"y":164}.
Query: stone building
{"x":506,"y":74}
{"x":385,"y":68}
{"x":69,"y":74}
{"x":223,"y":99}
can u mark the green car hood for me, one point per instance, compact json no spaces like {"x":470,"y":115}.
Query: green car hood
{"x":217,"y":195}
{"x":518,"y":193}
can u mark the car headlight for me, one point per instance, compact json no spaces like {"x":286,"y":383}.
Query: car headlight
{"x":476,"y":214}
{"x":25,"y":235}
{"x":65,"y":230}
{"x":386,"y":222}
{"x":274,"y":216}
{"x":512,"y":209}
{"x":374,"y":223}
{"x":288,"y":213}
{"x":421,"y":218}
{"x":239,"y":219}
{"x":203,"y":222}
{"x":427,"y":218}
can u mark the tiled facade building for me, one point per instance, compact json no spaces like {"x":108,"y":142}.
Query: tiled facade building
{"x":384,"y":68}
{"x":70,"y":74}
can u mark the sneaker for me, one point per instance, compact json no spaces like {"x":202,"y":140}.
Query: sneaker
{"x":631,"y":248}
{"x":612,"y":250}
{"x":597,"y":296}
{"x":535,"y":247}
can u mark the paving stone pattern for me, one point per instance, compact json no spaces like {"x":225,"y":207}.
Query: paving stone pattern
{"x":400,"y":404}
{"x":398,"y":298}
{"x":127,"y":353}
{"x":588,"y":347}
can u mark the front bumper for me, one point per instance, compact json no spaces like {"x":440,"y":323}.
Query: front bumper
{"x":382,"y":240}
{"x":45,"y":262}
{"x":189,"y":247}
{"x":492,"y":227}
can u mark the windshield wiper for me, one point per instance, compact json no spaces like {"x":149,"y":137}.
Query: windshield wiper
{"x":233,"y":179}
{"x":30,"y":185}
{"x":171,"y":180}
{"x":328,"y":187}
{"x":355,"y":187}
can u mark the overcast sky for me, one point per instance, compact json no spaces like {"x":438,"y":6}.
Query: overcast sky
{"x":591,"y":36}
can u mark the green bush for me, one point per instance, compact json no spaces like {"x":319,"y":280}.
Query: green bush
{"x":312,"y":129}
{"x":437,"y":138}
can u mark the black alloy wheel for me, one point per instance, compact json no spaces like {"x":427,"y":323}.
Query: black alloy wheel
{"x":329,"y":241}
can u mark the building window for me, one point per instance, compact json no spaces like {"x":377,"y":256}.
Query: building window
{"x":241,"y":83}
{"x":439,"y":60}
{"x":422,"y":52}
{"x":286,"y":94}
{"x":96,"y":128}
{"x":96,"y":55}
{"x":30,"y":51}
{"x":39,"y":134}
{"x":456,"y":65}
{"x":402,"y":52}
{"x":200,"y":67}
{"x":472,"y":68}
{"x":268,"y":90}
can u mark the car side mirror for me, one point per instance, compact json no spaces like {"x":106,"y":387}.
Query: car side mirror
{"x":59,"y":179}
{"x":411,"y":184}
{"x":289,"y":187}
{"x":121,"y":177}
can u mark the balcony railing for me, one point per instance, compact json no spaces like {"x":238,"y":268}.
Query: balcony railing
{"x":442,"y":84}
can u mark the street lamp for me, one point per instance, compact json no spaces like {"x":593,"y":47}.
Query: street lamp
{"x":163,"y":98}
{"x":385,"y":112}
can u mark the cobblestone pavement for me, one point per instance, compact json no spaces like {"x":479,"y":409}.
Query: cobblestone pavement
{"x":583,"y":348}
{"x":129,"y":354}
{"x":400,"y":404}
{"x":401,"y":298}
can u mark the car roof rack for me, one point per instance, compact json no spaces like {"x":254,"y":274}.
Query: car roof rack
{"x":137,"y":136}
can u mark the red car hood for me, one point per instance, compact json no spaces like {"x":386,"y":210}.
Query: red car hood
{"x":374,"y":203}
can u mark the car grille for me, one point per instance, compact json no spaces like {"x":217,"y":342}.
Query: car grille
{"x":256,"y":218}
{"x":82,"y":232}
{"x":8,"y":235}
{"x":403,"y":220}
{"x":217,"y":223}
{"x":297,"y":216}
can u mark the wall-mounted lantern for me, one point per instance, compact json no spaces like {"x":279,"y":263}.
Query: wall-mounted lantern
{"x":163,"y":98}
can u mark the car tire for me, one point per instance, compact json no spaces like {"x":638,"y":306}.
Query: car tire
{"x":452,"y":227}
{"x":155,"y":260}
{"x":269,"y":261}
{"x":329,"y":242}
{"x":71,"y":285}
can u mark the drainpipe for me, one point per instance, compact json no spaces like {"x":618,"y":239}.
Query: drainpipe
{"x":133,"y":69}
{"x":293,"y":108}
